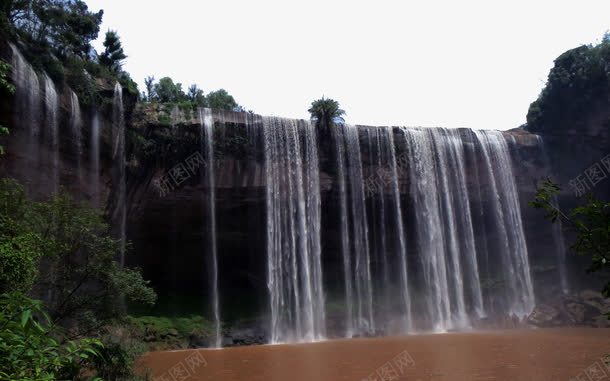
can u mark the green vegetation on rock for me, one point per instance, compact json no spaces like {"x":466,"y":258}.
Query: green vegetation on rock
{"x":578,"y":85}
{"x":325,"y":112}
{"x":171,"y":94}
{"x":589,"y":221}
{"x":61,"y":251}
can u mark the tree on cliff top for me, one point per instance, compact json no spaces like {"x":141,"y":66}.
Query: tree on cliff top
{"x":326,"y":112}
{"x":578,"y":84}
{"x":113,"y":55}
{"x":66,"y":26}
{"x":221,"y":100}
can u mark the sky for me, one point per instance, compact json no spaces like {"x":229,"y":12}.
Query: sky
{"x":466,"y":63}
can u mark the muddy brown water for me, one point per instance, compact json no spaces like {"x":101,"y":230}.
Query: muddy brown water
{"x":515,"y":355}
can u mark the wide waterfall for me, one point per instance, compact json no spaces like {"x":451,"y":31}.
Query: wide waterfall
{"x":293,"y":231}
{"x":408,"y":264}
{"x":207,"y":148}
{"x":352,"y":232}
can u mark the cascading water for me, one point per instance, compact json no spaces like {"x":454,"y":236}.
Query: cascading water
{"x":410,"y":260}
{"x":519,"y":292}
{"x":28,"y":102}
{"x":76,"y":123}
{"x":388,"y":240}
{"x":338,"y":134}
{"x":207,"y":147}
{"x":293,"y":231}
{"x":356,"y":253}
{"x":430,"y":227}
{"x":51,"y":132}
{"x":118,"y":159}
{"x":94,"y":158}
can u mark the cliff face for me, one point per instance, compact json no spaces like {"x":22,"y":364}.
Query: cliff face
{"x":167,"y":193}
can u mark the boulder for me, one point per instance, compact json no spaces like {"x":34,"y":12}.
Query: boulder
{"x":544,"y":315}
{"x":601,"y":321}
{"x":197,"y":340}
{"x":576,"y":312}
{"x":591,"y":295}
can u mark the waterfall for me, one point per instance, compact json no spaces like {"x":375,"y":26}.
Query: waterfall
{"x":51,"y":132}
{"x":557,"y":228}
{"x":207,"y":139}
{"x":94,"y":158}
{"x":388,"y":240}
{"x":118,"y":159}
{"x":76,"y":124}
{"x":338,"y":135}
{"x":293,"y":231}
{"x":357,"y":270}
{"x":518,"y":288}
{"x":28,"y":101}
{"x":430,"y":233}
{"x":400,"y":233}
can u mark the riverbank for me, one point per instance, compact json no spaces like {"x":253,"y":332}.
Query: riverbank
{"x":515,"y":355}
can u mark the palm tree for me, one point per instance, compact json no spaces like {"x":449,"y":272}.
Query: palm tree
{"x":326,"y":112}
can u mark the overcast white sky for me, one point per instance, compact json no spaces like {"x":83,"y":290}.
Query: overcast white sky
{"x":461,"y":63}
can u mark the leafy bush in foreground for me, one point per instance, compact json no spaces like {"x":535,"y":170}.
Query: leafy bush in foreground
{"x":32,"y":348}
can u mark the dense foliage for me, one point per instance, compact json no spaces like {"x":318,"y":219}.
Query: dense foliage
{"x":578,"y":84}
{"x":166,"y":91}
{"x":65,"y":27}
{"x":55,"y":37}
{"x":113,"y":55}
{"x":590,"y":222}
{"x":31,"y":347}
{"x":81,"y":279}
{"x":326,"y":112}
{"x":6,"y":88}
{"x":60,"y":250}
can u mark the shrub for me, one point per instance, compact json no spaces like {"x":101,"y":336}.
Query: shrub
{"x":31,"y":348}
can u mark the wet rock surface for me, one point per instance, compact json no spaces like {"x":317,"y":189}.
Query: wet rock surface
{"x":587,"y":308}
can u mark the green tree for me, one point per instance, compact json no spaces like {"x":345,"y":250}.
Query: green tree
{"x":168,"y":91}
{"x":76,"y":28}
{"x":221,"y":100}
{"x":113,"y":55}
{"x":149,"y":82}
{"x":196,"y":96}
{"x":6,"y":88}
{"x":590,"y":222}
{"x":20,"y":246}
{"x":64,"y":25}
{"x":325,"y":112}
{"x":80,"y":278}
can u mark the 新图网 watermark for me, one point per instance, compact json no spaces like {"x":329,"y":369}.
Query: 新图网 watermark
{"x":599,"y":370}
{"x":392,"y":370}
{"x":377,"y":181}
{"x":594,"y":174}
{"x":184,"y":369}
{"x":179,"y":173}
